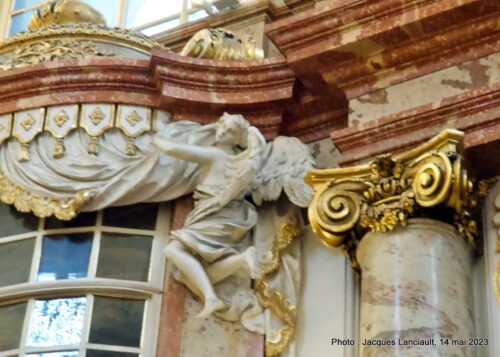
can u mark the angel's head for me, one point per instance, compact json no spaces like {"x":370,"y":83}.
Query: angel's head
{"x":232,"y":130}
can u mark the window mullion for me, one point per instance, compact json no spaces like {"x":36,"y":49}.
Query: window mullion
{"x":86,"y":325}
{"x":96,"y":243}
{"x":123,"y":13}
{"x":37,"y":253}
{"x":27,"y":317}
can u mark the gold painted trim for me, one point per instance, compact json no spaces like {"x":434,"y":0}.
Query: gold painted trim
{"x":27,"y":201}
{"x":48,"y":116}
{"x":125,"y":131}
{"x":84,"y":31}
{"x":16,"y":135}
{"x":109,"y":125}
{"x":273,"y":299}
{"x":496,"y":282}
{"x":9,"y":128}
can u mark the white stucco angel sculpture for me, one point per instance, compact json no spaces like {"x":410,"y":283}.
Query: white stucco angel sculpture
{"x":215,"y":241}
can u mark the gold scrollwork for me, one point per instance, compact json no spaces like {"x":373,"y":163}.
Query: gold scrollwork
{"x":52,"y":50}
{"x":27,"y":201}
{"x":274,"y":300}
{"x":382,"y":195}
{"x":86,"y":32}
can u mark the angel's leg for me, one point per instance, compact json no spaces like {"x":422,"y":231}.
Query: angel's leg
{"x":230,"y":265}
{"x":191,"y":268}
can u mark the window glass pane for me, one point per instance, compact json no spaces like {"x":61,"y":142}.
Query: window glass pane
{"x":65,"y":256}
{"x":14,"y":222}
{"x":197,"y":15}
{"x":11,"y":325}
{"x":96,"y":353}
{"x":141,"y":12}
{"x":19,"y":4}
{"x":56,"y":322}
{"x":15,"y":261}
{"x":116,"y":321}
{"x":85,"y":219}
{"x":124,"y":257}
{"x":19,"y":22}
{"x":56,"y":354}
{"x":154,"y":30}
{"x":142,"y":216}
{"x":108,"y":8}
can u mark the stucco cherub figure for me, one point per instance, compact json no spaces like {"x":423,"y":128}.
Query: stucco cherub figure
{"x":215,"y":241}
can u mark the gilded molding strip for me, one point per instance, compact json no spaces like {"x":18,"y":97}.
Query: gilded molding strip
{"x":273,"y":299}
{"x":92,"y":32}
{"x":496,"y":222}
{"x":95,"y":119}
{"x":27,"y":201}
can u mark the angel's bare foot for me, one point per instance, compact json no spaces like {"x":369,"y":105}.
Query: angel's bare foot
{"x":251,"y":260}
{"x":211,"y":305}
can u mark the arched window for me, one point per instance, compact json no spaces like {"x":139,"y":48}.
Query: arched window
{"x":89,"y":287}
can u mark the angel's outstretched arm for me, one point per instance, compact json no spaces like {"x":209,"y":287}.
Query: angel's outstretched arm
{"x":194,"y":153}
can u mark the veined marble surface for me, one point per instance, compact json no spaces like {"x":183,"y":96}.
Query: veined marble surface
{"x":416,"y":288}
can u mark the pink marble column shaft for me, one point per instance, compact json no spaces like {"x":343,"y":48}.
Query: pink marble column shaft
{"x":416,"y":292}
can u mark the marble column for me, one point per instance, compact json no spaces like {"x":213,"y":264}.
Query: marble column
{"x":416,"y":288}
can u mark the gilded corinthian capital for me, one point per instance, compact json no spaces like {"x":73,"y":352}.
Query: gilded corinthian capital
{"x":429,"y":180}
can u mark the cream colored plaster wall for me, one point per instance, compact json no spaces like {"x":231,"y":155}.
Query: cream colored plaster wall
{"x":489,"y":320}
{"x":329,"y":305}
{"x":325,"y":153}
{"x":432,"y":90}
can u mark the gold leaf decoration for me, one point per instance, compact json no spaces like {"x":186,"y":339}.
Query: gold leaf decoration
{"x":27,"y":201}
{"x":61,"y":118}
{"x":28,"y":122}
{"x":382,"y":195}
{"x":97,"y":116}
{"x":134,"y":118}
{"x":272,"y":299}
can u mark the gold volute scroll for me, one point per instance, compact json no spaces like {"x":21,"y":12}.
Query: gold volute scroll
{"x":64,"y":12}
{"x":382,"y":195}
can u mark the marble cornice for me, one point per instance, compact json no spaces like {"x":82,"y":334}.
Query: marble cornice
{"x":265,"y":10}
{"x":190,"y":88}
{"x":115,"y":80}
{"x":475,"y":112}
{"x":203,"y":81}
{"x":429,"y":180}
{"x":362,"y":46}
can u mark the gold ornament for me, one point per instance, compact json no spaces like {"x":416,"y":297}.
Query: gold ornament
{"x":26,"y":201}
{"x":134,"y":118}
{"x":63,"y":12}
{"x":28,"y":122}
{"x":222,"y":44}
{"x":97,"y":116}
{"x":77,"y":41}
{"x":381,"y":196}
{"x":273,"y":299}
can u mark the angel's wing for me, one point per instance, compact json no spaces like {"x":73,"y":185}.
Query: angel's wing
{"x":285,"y":163}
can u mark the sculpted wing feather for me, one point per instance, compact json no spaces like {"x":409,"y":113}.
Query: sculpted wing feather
{"x":285,"y":164}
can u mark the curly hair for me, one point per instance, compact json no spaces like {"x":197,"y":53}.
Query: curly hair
{"x":241,"y":123}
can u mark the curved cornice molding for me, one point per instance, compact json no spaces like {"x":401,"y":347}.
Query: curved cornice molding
{"x":191,"y":88}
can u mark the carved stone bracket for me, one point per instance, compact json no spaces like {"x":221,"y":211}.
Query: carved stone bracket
{"x":429,"y":180}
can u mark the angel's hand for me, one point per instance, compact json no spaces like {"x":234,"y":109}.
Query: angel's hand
{"x":193,"y":153}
